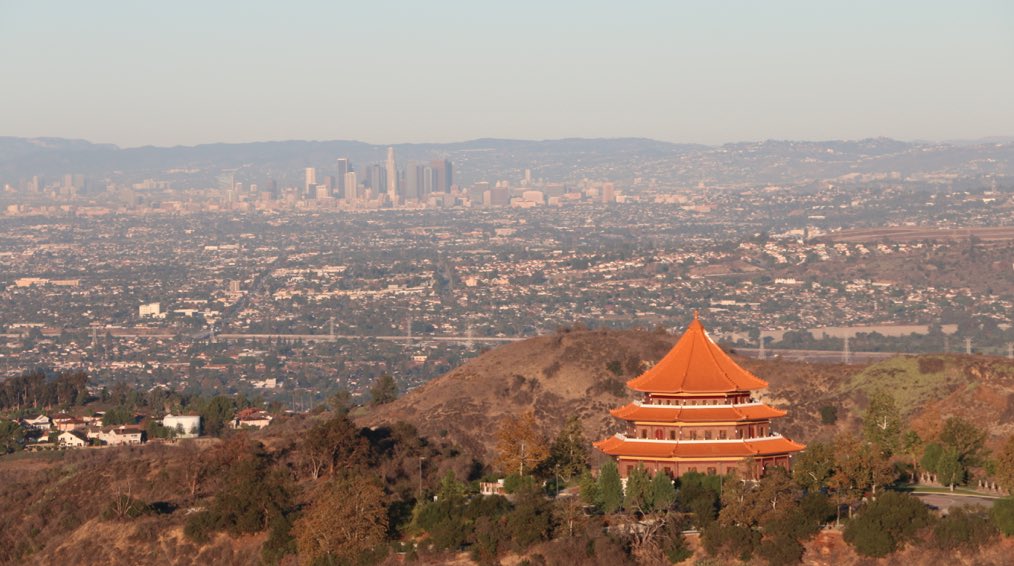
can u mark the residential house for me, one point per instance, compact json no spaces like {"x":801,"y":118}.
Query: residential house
{"x":72,"y":439}
{"x":251,"y":418}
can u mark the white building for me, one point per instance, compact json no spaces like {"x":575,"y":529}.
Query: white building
{"x":73,"y":439}
{"x":153,"y":310}
{"x":186,"y":426}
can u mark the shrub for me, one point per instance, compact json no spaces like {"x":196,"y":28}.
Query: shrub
{"x":730,"y":540}
{"x":963,"y":527}
{"x":887,"y":523}
{"x":1002,"y":514}
{"x":828,"y":415}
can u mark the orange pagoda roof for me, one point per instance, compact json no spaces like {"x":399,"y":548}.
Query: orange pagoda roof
{"x":696,"y":413}
{"x":696,"y":365}
{"x":621,"y":446}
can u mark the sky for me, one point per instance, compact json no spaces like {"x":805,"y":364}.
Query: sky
{"x":189,"y":72}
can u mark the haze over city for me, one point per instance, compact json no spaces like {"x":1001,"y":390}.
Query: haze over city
{"x":552,"y":283}
{"x":137,"y":73}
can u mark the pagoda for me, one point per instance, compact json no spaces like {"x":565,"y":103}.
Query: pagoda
{"x":697,"y":414}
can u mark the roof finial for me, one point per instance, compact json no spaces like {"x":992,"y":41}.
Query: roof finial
{"x":695,"y":314}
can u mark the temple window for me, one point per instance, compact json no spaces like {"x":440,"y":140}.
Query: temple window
{"x":693,"y":435}
{"x":658,"y":434}
{"x":722,"y":435}
{"x":712,"y":471}
{"x":644,"y":433}
{"x":707,"y":435}
{"x":672,"y":435}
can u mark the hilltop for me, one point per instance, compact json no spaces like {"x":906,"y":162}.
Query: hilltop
{"x":583,"y":373}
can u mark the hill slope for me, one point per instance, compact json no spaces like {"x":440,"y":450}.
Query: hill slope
{"x":584,"y":373}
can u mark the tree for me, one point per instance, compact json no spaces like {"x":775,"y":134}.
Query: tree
{"x":610,"y":487}
{"x":949,"y":469}
{"x":966,"y":438}
{"x":217,"y":413}
{"x":812,"y":468}
{"x":520,"y":446}
{"x":331,"y":445}
{"x":11,"y":436}
{"x":532,"y":518}
{"x":589,"y":489}
{"x":637,"y":495}
{"x":384,"y":390}
{"x":347,"y":518}
{"x":698,"y":494}
{"x":887,"y":523}
{"x":857,"y":469}
{"x":569,"y":452}
{"x":882,"y":423}
{"x":662,"y":492}
{"x":1005,"y":465}
{"x":341,"y":401}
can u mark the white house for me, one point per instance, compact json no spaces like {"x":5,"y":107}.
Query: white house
{"x":40,"y":422}
{"x":73,"y":439}
{"x":186,"y":426}
{"x":119,"y":436}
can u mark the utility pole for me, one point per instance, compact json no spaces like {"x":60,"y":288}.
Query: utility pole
{"x":846,"y":354}
{"x":330,"y":329}
{"x":468,"y":342}
{"x":521,"y":460}
{"x":408,"y":330}
{"x":968,"y":346}
{"x":1010,"y":350}
{"x":760,"y":347}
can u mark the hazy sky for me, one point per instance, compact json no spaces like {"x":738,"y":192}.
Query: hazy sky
{"x":187,"y":72}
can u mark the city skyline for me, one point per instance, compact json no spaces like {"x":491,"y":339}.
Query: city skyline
{"x":683,"y":72}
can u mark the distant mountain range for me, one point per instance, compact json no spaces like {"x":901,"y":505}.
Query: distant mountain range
{"x":492,"y":159}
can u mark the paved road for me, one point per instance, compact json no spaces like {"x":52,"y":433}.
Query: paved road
{"x":944,"y":501}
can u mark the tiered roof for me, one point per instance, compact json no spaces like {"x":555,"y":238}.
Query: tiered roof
{"x":620,"y":445}
{"x":696,"y":365}
{"x":696,"y":413}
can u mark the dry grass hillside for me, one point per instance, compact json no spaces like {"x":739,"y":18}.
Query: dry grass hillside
{"x":583,"y":373}
{"x":555,"y":376}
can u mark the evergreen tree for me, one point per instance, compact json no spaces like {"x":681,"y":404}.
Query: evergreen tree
{"x":638,"y":492}
{"x":569,"y":452}
{"x":610,"y":487}
{"x":662,"y":492}
{"x":384,"y":390}
{"x":590,"y":494}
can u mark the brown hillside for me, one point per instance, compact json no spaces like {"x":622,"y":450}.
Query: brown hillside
{"x":581,"y":373}
{"x":555,"y":376}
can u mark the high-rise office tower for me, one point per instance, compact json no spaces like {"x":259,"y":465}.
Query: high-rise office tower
{"x":311,"y":180}
{"x":351,"y":187}
{"x":343,"y":168}
{"x":443,"y":175}
{"x":392,"y":176}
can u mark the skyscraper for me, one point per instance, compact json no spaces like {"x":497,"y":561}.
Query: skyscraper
{"x":392,"y":176}
{"x":443,"y":175}
{"x":351,"y":187}
{"x":311,"y":180}
{"x":343,"y":168}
